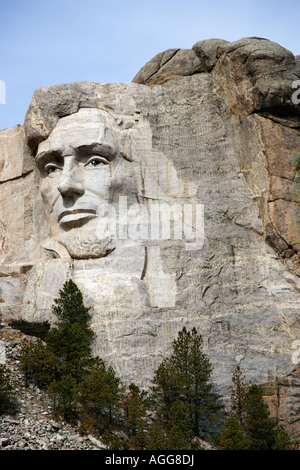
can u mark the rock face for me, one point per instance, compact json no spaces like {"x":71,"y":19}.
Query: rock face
{"x":210,"y":134}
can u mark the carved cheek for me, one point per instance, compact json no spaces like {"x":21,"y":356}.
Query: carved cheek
{"x":99,"y":181}
{"x":49,"y":191}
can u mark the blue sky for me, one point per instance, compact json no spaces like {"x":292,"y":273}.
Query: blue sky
{"x":47,"y":42}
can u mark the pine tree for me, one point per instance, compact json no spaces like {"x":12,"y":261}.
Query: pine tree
{"x":69,"y":306}
{"x":38,"y":363}
{"x":136,"y":406}
{"x":259,"y":427}
{"x":249,"y":425}
{"x":70,"y":343}
{"x":101,"y":390}
{"x":157,"y":437}
{"x":264,"y":432}
{"x":66,"y":397}
{"x":37,"y":329}
{"x":8,"y":398}
{"x":238,"y":393}
{"x":174,"y":433}
{"x":63,"y":361}
{"x":232,"y":436}
{"x":184,"y":378}
{"x":283,"y":440}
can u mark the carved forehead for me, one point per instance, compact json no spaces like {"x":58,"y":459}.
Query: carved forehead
{"x":87,"y":126}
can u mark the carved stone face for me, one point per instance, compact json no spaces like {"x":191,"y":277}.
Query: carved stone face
{"x":81,"y":169}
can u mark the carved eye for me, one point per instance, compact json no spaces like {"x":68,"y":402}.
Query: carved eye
{"x":96,"y":161}
{"x":51,"y":168}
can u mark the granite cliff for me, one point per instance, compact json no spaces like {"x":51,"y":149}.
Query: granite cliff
{"x":210,"y":134}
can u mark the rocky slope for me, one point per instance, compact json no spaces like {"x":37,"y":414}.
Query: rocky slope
{"x":34,"y":427}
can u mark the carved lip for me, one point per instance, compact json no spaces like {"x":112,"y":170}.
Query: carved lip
{"x":76,"y":211}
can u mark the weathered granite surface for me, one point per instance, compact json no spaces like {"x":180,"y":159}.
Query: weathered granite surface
{"x":214,"y":128}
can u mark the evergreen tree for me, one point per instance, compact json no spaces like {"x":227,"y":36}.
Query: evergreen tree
{"x":69,"y":306}
{"x":64,"y":360}
{"x":173,"y":433}
{"x":249,"y":425}
{"x":232,"y":436}
{"x":179,"y":428}
{"x":283,"y":440}
{"x":70,"y":343}
{"x":113,"y":442}
{"x":184,"y":378}
{"x":37,"y":363}
{"x":238,"y":393}
{"x":264,"y":432}
{"x":37,"y":329}
{"x":8,"y":399}
{"x":66,"y":396}
{"x":136,"y":406}
{"x":157,"y":438}
{"x":101,"y":390}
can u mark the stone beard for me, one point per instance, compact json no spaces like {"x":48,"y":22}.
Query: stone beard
{"x":82,"y":168}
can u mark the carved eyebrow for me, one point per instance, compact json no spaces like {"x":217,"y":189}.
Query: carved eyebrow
{"x":96,"y":148}
{"x":42,"y":157}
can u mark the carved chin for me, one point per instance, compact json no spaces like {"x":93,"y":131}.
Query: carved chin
{"x":83,"y":248}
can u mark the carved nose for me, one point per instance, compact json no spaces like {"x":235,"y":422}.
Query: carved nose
{"x":70,"y":187}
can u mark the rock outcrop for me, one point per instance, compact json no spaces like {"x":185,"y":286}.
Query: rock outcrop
{"x":211,"y":134}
